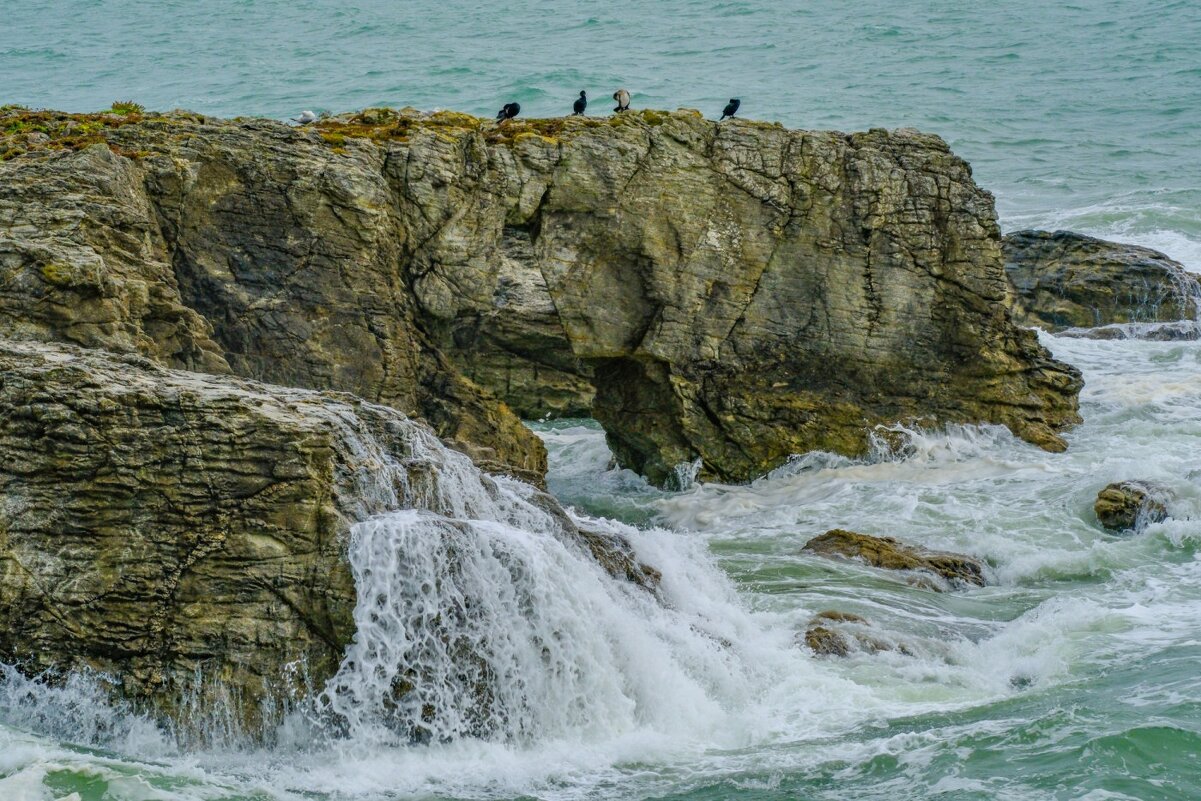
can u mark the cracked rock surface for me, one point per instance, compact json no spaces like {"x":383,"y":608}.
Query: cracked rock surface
{"x":732,"y":293}
{"x":186,"y":534}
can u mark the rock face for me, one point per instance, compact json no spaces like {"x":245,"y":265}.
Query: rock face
{"x":889,"y":554}
{"x":733,"y":293}
{"x":236,"y":252}
{"x":187,"y":534}
{"x":1066,"y":280}
{"x":1129,"y":505}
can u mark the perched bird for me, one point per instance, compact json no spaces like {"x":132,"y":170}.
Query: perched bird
{"x":623,"y":100}
{"x":731,"y":108}
{"x":508,"y":111}
{"x":305,"y":118}
{"x":581,"y":103}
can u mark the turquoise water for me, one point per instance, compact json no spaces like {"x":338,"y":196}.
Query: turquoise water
{"x":1074,"y":675}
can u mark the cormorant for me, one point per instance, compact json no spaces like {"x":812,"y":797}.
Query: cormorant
{"x":731,"y":109}
{"x":623,"y":100}
{"x":581,"y":103}
{"x":508,"y":111}
{"x":305,"y":118}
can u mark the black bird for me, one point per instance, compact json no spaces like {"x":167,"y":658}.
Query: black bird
{"x":508,"y":111}
{"x":581,"y":103}
{"x":623,"y":100}
{"x":731,"y":108}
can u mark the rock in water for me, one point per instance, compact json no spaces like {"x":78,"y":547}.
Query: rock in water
{"x":187,"y":534}
{"x":1067,"y":280}
{"x":1130,"y":505}
{"x":732,"y":295}
{"x":890,"y":554}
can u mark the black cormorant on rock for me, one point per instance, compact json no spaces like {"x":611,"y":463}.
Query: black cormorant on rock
{"x":580,"y":104}
{"x":623,"y":100}
{"x":731,"y":108}
{"x":508,"y":111}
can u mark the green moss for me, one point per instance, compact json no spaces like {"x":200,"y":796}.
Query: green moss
{"x":126,"y":107}
{"x":57,"y":274}
{"x":62,"y":131}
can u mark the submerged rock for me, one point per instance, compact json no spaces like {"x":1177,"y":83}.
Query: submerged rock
{"x":1130,"y":505}
{"x":615,"y":554}
{"x":1065,"y":280}
{"x":834,"y":633}
{"x":890,"y":554}
{"x":824,"y":641}
{"x":734,"y":294}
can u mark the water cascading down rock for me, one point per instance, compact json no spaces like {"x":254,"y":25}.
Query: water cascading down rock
{"x":189,"y":537}
{"x":724,"y":294}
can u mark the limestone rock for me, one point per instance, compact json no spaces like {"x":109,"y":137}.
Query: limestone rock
{"x":1066,"y":280}
{"x":738,"y":293}
{"x":890,"y":554}
{"x":1130,"y":505}
{"x":186,"y":534}
{"x":240,"y":248}
{"x":735,"y":293}
{"x":823,"y":641}
{"x":615,"y":554}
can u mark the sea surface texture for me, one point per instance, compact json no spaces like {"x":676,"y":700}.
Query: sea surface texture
{"x":1076,"y":674}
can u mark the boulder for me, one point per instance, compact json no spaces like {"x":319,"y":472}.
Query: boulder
{"x":1131,"y":505}
{"x":890,"y":554}
{"x":734,"y":294}
{"x":1063,"y":280}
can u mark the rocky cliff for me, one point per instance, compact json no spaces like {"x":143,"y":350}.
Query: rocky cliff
{"x":731,"y":293}
{"x":186,"y":535}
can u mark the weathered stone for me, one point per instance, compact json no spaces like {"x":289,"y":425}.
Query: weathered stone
{"x":1066,"y":280}
{"x":231,"y":250}
{"x":1130,"y":505}
{"x":824,"y":641}
{"x":734,"y":293}
{"x":186,"y":534}
{"x":834,"y":633}
{"x":615,"y":554}
{"x":740,"y":293}
{"x":890,"y":554}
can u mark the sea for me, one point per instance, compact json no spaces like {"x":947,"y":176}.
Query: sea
{"x":1074,"y":674}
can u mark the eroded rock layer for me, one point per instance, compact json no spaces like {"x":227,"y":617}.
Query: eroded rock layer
{"x":187,"y":535}
{"x":732,"y":293}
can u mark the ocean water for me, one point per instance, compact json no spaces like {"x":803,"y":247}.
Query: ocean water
{"x":1073,"y":675}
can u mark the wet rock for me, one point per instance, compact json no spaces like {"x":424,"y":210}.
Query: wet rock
{"x":1065,"y":280}
{"x":616,"y":556}
{"x":835,"y":633}
{"x":1131,"y":505}
{"x":826,"y":642}
{"x":890,"y":554}
{"x":186,"y":534}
